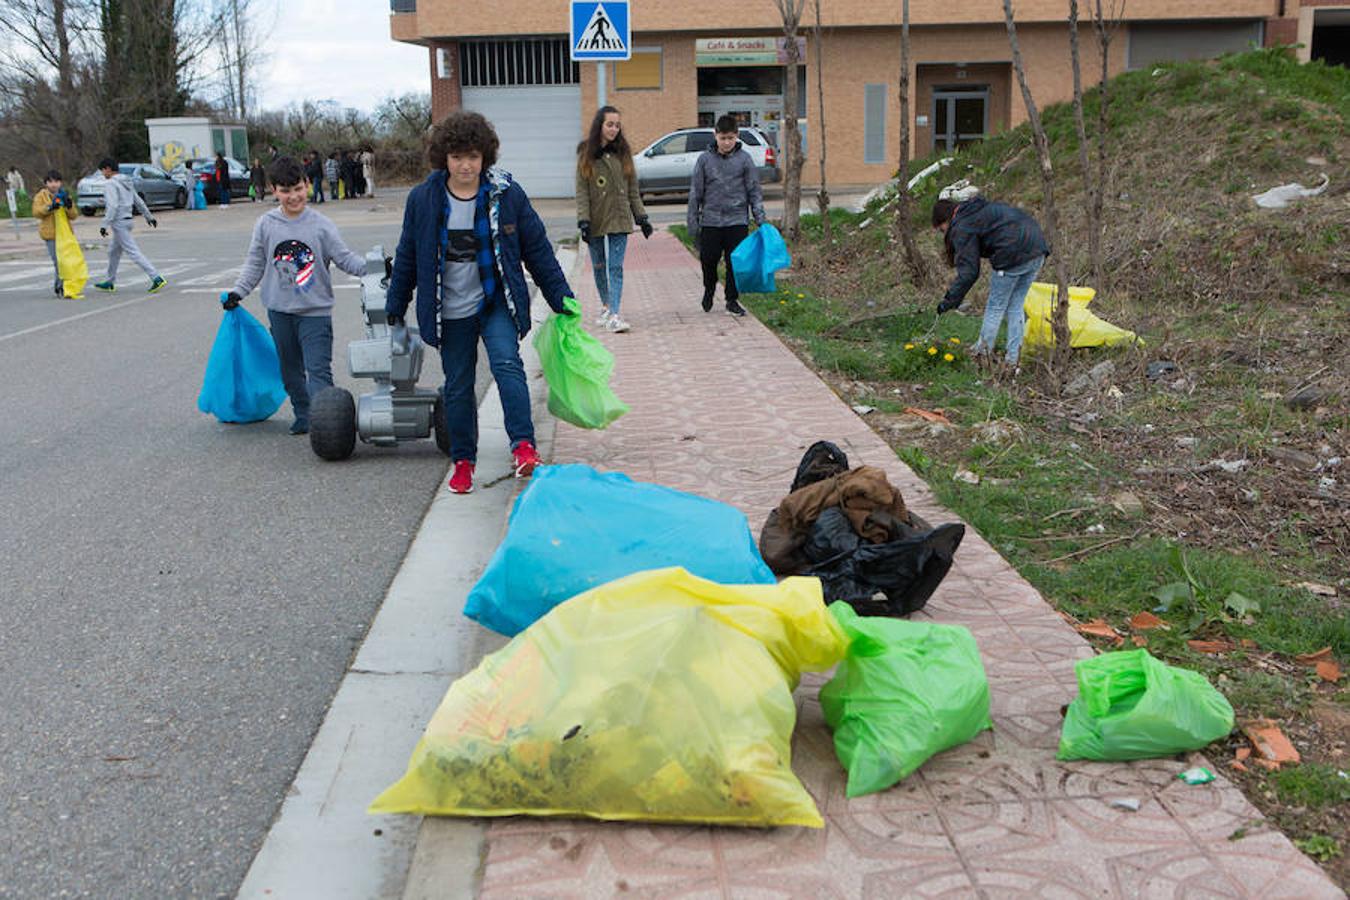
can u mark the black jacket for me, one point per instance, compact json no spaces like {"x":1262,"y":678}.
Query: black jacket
{"x":1005,"y":235}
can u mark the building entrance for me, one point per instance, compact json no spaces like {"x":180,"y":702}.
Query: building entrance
{"x":960,"y":116}
{"x":753,"y":94}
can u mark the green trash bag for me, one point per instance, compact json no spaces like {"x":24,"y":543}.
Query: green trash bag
{"x":905,"y":691}
{"x":577,"y":368}
{"x":1132,"y":706}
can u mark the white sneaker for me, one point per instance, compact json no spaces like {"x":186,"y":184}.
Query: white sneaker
{"x":602,"y":320}
{"x":617,"y":325}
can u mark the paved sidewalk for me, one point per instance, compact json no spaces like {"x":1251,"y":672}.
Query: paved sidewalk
{"x":721,"y":408}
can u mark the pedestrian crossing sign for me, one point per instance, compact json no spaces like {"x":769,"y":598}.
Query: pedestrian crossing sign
{"x":601,"y":30}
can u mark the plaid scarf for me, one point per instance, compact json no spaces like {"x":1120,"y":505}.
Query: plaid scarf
{"x":482,"y":230}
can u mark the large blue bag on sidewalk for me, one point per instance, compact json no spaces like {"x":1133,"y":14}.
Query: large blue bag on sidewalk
{"x":574,"y":528}
{"x":243,"y":375}
{"x":756,"y":258}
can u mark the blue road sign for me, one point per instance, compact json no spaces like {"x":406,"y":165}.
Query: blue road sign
{"x":601,"y":30}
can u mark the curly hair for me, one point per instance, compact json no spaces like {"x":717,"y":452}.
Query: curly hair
{"x":461,"y":132}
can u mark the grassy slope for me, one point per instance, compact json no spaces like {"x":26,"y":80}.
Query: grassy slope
{"x":1198,"y":271}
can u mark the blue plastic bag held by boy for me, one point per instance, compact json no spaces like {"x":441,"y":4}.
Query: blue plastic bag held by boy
{"x":756,"y":258}
{"x":574,"y":528}
{"x":243,"y":375}
{"x":199,"y":195}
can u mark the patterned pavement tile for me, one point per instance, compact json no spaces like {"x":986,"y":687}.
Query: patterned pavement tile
{"x":720,"y":407}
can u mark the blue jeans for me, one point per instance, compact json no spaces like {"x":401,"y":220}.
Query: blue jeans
{"x":51,"y":251}
{"x":459,"y":358}
{"x":1007,"y":293}
{"x":607,"y":252}
{"x":305,"y":348}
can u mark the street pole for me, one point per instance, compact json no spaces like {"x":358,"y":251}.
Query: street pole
{"x":600,"y":98}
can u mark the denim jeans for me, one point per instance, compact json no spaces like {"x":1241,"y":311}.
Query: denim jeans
{"x":607,"y":252}
{"x":51,"y":251}
{"x":305,"y":348}
{"x":459,"y":358}
{"x":1007,"y":294}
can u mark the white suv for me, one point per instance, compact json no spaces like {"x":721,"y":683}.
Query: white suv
{"x":667,"y":163}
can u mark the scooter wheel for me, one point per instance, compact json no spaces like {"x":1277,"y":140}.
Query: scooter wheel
{"x":332,"y":424}
{"x":439,"y":426}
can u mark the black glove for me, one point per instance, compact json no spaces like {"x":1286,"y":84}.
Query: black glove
{"x":585,"y":228}
{"x":152,"y":222}
{"x":230,"y":300}
{"x":947,"y":305}
{"x":103,"y":232}
{"x":645,"y":225}
{"x":394,"y":320}
{"x":66,"y":201}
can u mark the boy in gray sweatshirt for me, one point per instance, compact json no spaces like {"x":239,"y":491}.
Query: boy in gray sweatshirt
{"x":290,"y":252}
{"x":724,"y":194}
{"x":120,"y":200}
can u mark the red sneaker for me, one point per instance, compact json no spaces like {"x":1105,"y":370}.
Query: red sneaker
{"x":526,"y":459}
{"x":461,"y":480}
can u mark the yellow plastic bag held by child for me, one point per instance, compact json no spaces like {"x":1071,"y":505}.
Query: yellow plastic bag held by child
{"x":659,"y":696}
{"x":1085,"y":329}
{"x":69,"y":259}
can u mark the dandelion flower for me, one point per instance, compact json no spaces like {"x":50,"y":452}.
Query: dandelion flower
{"x":948,"y":357}
{"x":909,"y":346}
{"x":801,"y":296}
{"x":932,"y":351}
{"x":955,"y":340}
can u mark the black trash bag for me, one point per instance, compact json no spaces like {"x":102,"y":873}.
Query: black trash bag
{"x":905,"y":570}
{"x":820,"y":461}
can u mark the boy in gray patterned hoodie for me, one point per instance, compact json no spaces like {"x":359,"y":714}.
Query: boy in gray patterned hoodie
{"x":724,"y":194}
{"x":290,"y":252}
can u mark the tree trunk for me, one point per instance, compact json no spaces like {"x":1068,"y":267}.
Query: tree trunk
{"x":822,"y":195}
{"x":1094,"y":228}
{"x":904,"y":218}
{"x":792,"y":143}
{"x":1060,"y":319}
{"x":1105,"y":29}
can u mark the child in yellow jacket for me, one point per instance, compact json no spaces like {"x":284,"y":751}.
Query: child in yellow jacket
{"x":46,"y":202}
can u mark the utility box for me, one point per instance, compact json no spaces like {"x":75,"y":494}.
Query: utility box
{"x":175,"y":140}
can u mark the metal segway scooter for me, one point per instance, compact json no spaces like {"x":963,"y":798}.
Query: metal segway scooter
{"x":397,"y":410}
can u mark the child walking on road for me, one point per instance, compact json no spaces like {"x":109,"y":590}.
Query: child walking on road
{"x":608,"y":205}
{"x":291,"y":249}
{"x":724,"y":194}
{"x":46,"y":202}
{"x":467,"y":231}
{"x":119,"y":200}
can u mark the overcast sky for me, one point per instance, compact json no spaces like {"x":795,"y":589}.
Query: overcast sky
{"x":335,"y":50}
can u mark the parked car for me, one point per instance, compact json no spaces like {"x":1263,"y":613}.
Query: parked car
{"x":156,"y":188}
{"x":667,"y":163}
{"x":205,"y":169}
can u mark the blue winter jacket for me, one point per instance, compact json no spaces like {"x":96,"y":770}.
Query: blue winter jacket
{"x":1005,"y":235}
{"x":518,"y":238}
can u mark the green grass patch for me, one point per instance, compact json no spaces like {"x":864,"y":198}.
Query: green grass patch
{"x":1313,"y":785}
{"x":24,"y":206}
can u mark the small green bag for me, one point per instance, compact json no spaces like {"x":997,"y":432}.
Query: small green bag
{"x":905,"y":691}
{"x":577,"y":368}
{"x":1133,"y":706}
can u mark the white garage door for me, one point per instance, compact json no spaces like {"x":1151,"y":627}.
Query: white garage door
{"x":539,"y":127}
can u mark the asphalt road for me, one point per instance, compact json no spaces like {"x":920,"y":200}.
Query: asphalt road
{"x":180,"y":597}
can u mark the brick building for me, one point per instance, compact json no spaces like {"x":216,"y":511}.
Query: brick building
{"x":697,"y":59}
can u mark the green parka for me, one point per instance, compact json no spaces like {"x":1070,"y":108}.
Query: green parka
{"x":608,"y":200}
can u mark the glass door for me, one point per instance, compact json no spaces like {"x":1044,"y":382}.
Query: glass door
{"x":960,"y":116}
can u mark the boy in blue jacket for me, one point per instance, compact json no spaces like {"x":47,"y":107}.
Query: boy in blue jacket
{"x":467,"y":231}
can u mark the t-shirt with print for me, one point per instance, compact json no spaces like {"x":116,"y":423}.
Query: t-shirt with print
{"x":461,"y":286}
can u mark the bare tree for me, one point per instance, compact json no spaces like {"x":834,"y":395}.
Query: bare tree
{"x":1060,"y":319}
{"x":904,"y":218}
{"x":1105,"y":21}
{"x":405,"y":118}
{"x":791,"y":11}
{"x":238,"y":43}
{"x":822,"y":195}
{"x":1094,"y":231}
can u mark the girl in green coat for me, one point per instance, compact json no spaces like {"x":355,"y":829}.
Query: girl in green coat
{"x":608,"y":206}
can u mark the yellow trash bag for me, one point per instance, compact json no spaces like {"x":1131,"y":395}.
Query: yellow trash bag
{"x":659,"y":696}
{"x":69,"y":260}
{"x":1085,"y":329}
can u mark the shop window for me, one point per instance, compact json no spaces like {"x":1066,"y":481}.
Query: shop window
{"x":640,"y":73}
{"x":874,"y":123}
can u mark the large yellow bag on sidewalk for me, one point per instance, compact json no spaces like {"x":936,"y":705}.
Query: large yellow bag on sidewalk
{"x":1085,"y":329}
{"x":69,"y":258}
{"x":659,"y":696}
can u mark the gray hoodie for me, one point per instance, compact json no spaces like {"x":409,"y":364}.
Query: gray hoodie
{"x":724,"y":190}
{"x":290,"y":257}
{"x":119,"y":198}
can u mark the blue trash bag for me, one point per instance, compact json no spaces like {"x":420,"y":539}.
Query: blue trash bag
{"x":756,"y":258}
{"x":574,"y":528}
{"x":243,"y":375}
{"x":199,"y":195}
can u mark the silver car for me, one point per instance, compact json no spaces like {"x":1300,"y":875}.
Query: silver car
{"x":667,"y":163}
{"x":155,"y":187}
